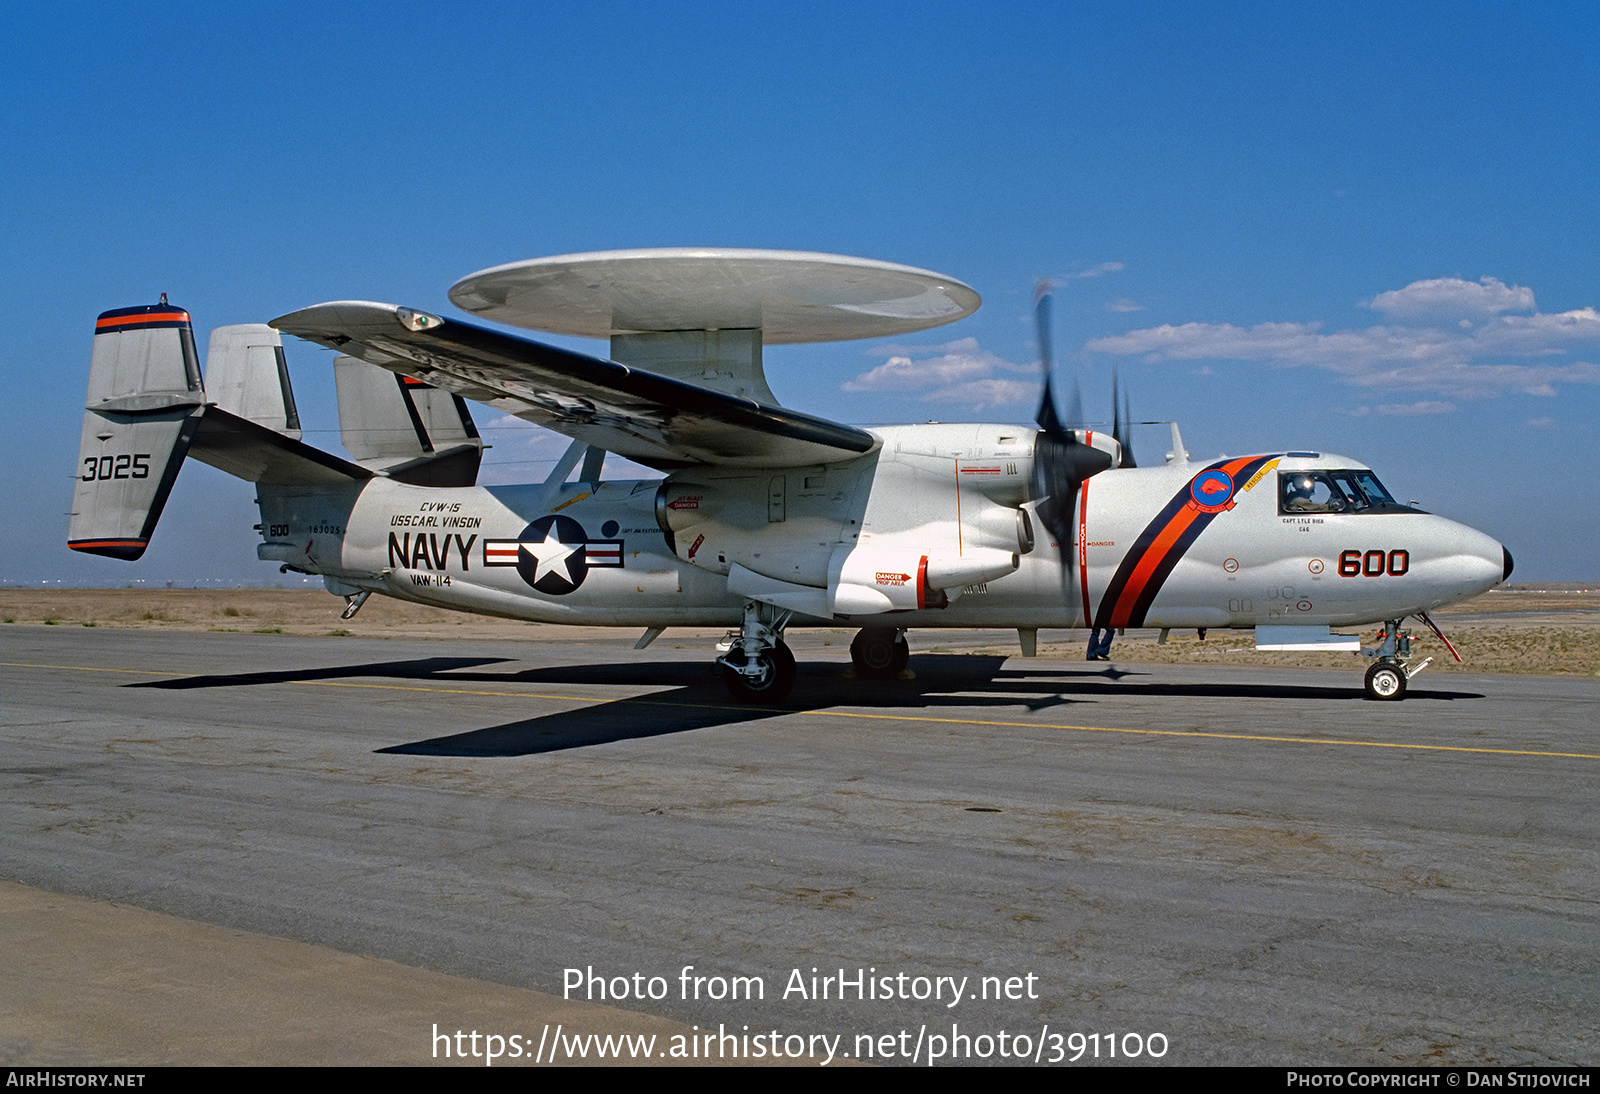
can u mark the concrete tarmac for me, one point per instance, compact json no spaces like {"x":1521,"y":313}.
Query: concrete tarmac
{"x":1220,"y":865}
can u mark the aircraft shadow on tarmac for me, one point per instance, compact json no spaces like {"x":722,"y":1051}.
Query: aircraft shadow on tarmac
{"x":693,"y":698}
{"x":422,"y":668}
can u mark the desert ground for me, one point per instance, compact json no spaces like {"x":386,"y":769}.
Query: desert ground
{"x":1548,"y":629}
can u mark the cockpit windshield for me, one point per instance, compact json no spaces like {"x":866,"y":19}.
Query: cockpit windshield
{"x":1322,"y":491}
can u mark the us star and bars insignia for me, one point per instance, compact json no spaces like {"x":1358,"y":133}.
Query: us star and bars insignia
{"x":553,"y":554}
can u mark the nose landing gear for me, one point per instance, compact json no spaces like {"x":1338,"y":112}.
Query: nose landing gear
{"x":1387,"y":678}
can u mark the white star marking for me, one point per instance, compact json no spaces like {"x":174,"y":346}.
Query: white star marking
{"x":551,"y":553}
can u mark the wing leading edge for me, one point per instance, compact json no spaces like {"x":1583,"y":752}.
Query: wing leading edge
{"x":649,"y":418}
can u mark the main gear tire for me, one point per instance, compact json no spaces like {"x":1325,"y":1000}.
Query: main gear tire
{"x":880,"y":653}
{"x":771,"y":684}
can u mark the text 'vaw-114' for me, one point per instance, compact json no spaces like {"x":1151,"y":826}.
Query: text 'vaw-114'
{"x":767,"y":518}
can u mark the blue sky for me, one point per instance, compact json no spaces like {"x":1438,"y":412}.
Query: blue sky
{"x":1341,"y":227}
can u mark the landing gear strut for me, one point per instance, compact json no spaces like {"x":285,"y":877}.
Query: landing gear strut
{"x":880,"y":653}
{"x":758,"y":667}
{"x":1387,"y":678}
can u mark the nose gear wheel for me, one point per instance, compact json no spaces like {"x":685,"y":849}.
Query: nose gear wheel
{"x":1386,"y":680}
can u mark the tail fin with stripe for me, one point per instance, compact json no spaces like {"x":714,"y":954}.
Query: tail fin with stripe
{"x":147,"y":409}
{"x":144,"y":405}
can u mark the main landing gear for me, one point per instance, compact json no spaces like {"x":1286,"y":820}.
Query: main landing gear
{"x":758,"y":667}
{"x":1387,"y":678}
{"x":880,"y":653}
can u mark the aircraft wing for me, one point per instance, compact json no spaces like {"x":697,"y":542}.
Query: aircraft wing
{"x":655,"y":420}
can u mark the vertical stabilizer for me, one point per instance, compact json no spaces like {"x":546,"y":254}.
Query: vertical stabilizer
{"x":246,"y":374}
{"x":144,"y":405}
{"x":406,"y":429}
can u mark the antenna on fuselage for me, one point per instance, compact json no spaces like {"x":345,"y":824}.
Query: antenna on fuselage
{"x":1179,"y":454}
{"x":593,"y":460}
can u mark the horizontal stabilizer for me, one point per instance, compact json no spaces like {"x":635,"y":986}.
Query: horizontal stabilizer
{"x":255,"y":453}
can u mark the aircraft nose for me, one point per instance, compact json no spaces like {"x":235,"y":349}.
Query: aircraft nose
{"x":1481,"y":562}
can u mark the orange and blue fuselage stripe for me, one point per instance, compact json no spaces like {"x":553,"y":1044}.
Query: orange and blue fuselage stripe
{"x":1167,"y":538}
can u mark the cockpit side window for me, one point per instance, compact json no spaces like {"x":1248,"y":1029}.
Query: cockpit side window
{"x":1374,"y":489}
{"x":1346,"y":482}
{"x":1309,"y":492}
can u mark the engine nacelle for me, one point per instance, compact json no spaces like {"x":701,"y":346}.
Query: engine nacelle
{"x":681,"y":505}
{"x":872,"y":580}
{"x":814,"y":539}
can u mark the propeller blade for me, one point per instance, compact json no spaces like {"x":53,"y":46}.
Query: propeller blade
{"x":1121,"y":421}
{"x":1060,"y":461}
{"x":1049,"y":421}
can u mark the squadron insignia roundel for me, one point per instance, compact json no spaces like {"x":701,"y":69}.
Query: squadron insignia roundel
{"x":1211,"y":491}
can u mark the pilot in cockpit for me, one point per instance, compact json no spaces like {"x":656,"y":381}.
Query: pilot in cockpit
{"x":1297,"y":493}
{"x":1310,"y":493}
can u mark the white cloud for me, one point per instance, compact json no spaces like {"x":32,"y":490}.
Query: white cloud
{"x":1412,"y":410}
{"x":1123,"y":304}
{"x":1445,"y":298}
{"x":986,"y":394}
{"x":1481,"y":354}
{"x":1094,"y":271}
{"x":956,"y":372}
{"x":951,"y":363}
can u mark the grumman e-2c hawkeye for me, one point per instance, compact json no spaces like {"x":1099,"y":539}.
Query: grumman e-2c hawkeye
{"x":768,"y":518}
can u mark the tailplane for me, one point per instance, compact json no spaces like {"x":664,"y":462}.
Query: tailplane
{"x":147,"y":408}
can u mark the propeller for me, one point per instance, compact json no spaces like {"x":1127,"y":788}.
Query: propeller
{"x":1061,"y":462}
{"x":1121,"y":421}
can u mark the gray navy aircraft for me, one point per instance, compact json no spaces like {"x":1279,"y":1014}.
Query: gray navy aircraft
{"x":767,"y":517}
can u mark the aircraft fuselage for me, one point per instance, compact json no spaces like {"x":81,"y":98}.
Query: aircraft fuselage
{"x":932,"y":529}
